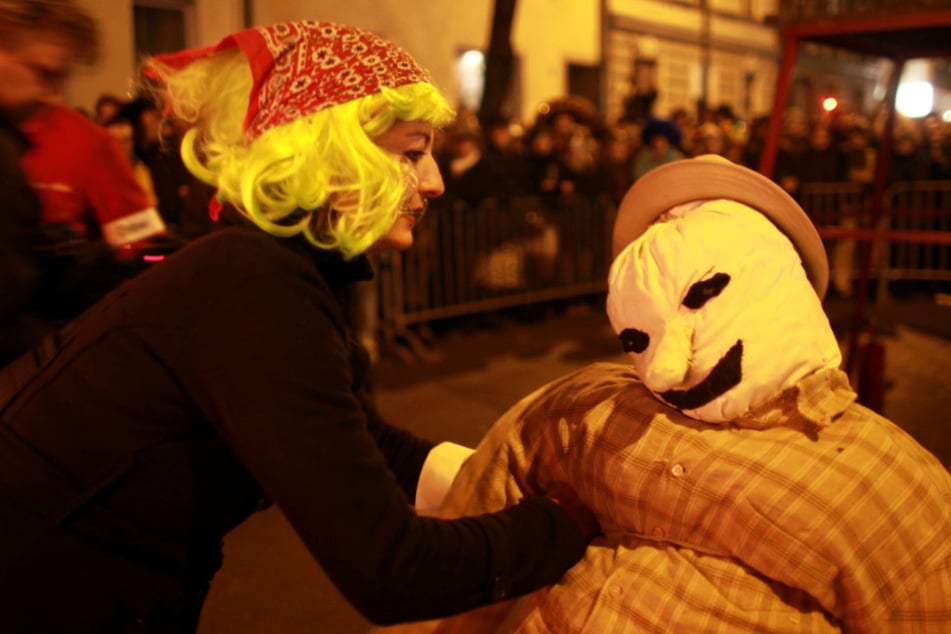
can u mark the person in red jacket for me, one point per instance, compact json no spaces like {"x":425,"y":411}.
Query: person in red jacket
{"x":92,"y":209}
{"x":84,"y":180}
{"x":227,"y":379}
{"x":40,"y":43}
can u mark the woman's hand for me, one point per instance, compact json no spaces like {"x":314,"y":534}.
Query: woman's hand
{"x":565,"y":496}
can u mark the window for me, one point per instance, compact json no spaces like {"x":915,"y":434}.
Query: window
{"x":470,"y":71}
{"x":161,"y":26}
{"x":585,"y":81}
{"x":470,"y":77}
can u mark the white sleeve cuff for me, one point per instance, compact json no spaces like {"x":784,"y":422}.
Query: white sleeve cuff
{"x":133,"y":227}
{"x":439,"y":470}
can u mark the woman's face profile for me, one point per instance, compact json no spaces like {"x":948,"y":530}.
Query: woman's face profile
{"x":413,"y":142}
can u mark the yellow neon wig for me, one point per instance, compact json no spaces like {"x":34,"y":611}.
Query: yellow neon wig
{"x":321,"y":175}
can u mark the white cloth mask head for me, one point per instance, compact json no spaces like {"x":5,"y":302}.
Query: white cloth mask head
{"x":715,"y":308}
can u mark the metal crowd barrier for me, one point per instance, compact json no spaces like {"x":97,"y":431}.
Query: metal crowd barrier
{"x":498,"y":254}
{"x":910,"y":241}
{"x":839,"y":210}
{"x":919,"y":211}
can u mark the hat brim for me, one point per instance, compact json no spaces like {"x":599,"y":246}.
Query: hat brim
{"x":709,"y":177}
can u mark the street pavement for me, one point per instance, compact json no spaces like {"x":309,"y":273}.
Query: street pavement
{"x":475,"y":369}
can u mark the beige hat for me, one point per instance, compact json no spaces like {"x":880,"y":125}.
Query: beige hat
{"x":708,"y":177}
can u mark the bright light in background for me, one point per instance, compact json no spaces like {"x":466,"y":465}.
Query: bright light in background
{"x":946,"y":116}
{"x":472,"y":59}
{"x":915,"y":98}
{"x":829,"y":104}
{"x":471,"y":72}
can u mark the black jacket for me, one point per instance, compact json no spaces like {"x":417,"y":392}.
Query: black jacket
{"x":21,"y":270}
{"x":219,"y":381}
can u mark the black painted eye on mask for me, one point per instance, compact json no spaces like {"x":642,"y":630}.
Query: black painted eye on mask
{"x":703,"y":291}
{"x":634,"y":340}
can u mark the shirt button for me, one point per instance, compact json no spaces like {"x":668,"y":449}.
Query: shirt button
{"x":659,"y":531}
{"x":677,"y":470}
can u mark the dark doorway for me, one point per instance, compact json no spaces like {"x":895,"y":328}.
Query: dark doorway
{"x":159,"y":29}
{"x":585,"y":81}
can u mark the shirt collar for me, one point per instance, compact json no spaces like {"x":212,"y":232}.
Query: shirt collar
{"x":813,"y":403}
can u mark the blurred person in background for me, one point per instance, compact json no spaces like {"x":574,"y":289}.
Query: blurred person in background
{"x":733,"y":132}
{"x":684,"y":121}
{"x":504,"y":159}
{"x":823,"y":161}
{"x":106,"y":108}
{"x":617,"y":162}
{"x":791,"y":151}
{"x":94,"y":212}
{"x":123,"y":131}
{"x":157,"y":141}
{"x":467,"y":178}
{"x":172,"y":179}
{"x":40,"y":43}
{"x":937,"y":140}
{"x":756,"y":140}
{"x":543,"y":168}
{"x":860,"y":163}
{"x":633,"y":131}
{"x":909,"y":158}
{"x":661,"y":139}
{"x":708,"y":139}
{"x":582,"y":170}
{"x":860,"y":154}
{"x":564,"y":125}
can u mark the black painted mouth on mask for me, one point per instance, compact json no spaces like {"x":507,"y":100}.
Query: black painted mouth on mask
{"x":725,"y":375}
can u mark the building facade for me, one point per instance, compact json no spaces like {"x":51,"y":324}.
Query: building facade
{"x":715,"y":52}
{"x":719,"y":49}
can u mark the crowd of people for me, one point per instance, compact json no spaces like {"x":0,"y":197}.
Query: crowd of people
{"x":570,"y":151}
{"x":89,"y":207}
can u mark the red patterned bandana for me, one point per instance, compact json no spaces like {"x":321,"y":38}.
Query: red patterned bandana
{"x":300,"y":68}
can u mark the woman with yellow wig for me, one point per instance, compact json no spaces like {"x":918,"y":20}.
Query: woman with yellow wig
{"x":224,"y":379}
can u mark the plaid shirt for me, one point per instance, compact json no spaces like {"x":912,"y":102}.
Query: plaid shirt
{"x":812,"y":514}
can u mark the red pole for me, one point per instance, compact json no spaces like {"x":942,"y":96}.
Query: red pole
{"x":783,"y":83}
{"x":871,"y":373}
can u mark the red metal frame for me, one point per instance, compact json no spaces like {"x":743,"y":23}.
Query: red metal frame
{"x":882,"y":32}
{"x":831,"y":33}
